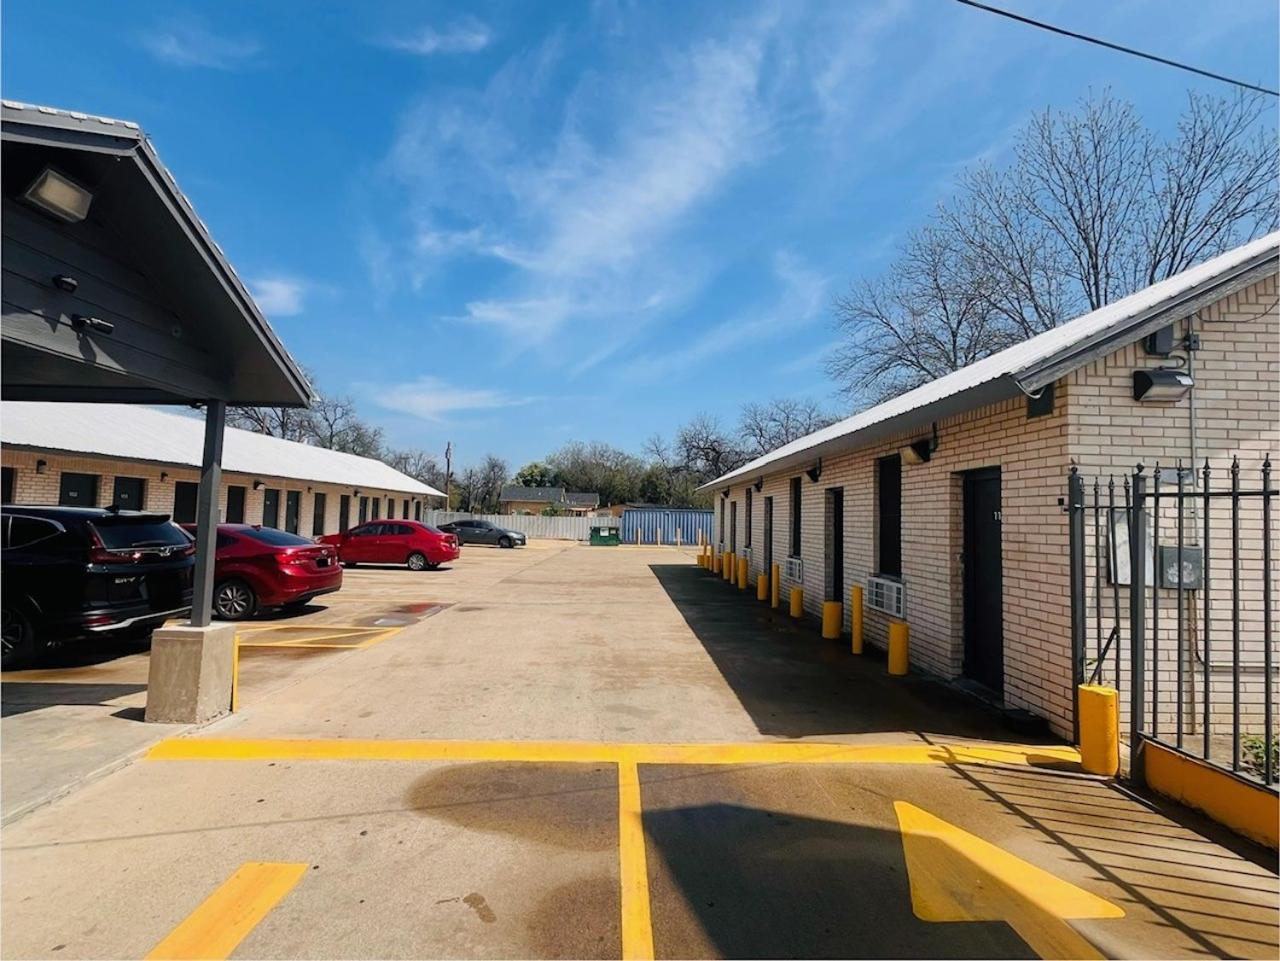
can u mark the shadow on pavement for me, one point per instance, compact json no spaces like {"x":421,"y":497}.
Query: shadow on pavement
{"x":19,"y":697}
{"x":754,"y":883}
{"x":795,"y":684}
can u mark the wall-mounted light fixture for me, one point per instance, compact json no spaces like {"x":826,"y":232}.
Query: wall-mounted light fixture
{"x":164,"y":476}
{"x":921,"y":451}
{"x":759,"y":484}
{"x":1161,"y":386}
{"x":83,"y":322}
{"x":257,"y":485}
{"x":42,"y":466}
{"x":356,"y":494}
{"x":68,"y":285}
{"x":58,"y":194}
{"x":815,"y":471}
{"x":725,"y":493}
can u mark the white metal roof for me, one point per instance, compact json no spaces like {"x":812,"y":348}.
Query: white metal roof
{"x":133,"y":432}
{"x":1023,"y":367}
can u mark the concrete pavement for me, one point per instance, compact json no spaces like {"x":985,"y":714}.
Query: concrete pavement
{"x":491,"y":844}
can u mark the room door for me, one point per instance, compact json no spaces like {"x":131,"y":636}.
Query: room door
{"x":127,"y":493}
{"x":833,"y":544}
{"x":983,"y":576}
{"x":768,"y":536}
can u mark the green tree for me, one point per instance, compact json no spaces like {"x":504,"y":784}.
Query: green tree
{"x":536,"y":474}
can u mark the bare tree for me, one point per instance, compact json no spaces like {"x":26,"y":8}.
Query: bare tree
{"x":931,"y":315}
{"x":288,"y":423}
{"x":418,"y":464}
{"x":335,"y":424}
{"x":1093,"y":207}
{"x":707,"y":450}
{"x":766,"y":427}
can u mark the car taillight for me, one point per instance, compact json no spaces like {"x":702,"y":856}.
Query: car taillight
{"x":100,"y":555}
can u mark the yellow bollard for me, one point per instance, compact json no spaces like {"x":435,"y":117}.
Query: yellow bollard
{"x":832,"y":617}
{"x":742,"y":573}
{"x":775,"y":587}
{"x":762,"y":587}
{"x":855,"y":618}
{"x":715,"y":563}
{"x":730,"y":566}
{"x":797,"y":602}
{"x":899,"y":647}
{"x":1099,"y":729}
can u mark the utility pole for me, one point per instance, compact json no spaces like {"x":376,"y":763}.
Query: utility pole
{"x":448,"y":474}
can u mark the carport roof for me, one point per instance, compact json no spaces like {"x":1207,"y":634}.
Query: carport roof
{"x":139,"y":203}
{"x":1027,"y":367}
{"x":139,"y":433}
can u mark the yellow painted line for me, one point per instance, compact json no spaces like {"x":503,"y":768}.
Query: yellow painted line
{"x":588,"y":752}
{"x":637,"y":927}
{"x":226,"y":917}
{"x":318,"y":626}
{"x":357,"y":639}
{"x":957,"y":876}
{"x":235,"y":674}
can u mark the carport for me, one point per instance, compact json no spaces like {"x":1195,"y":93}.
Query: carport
{"x":114,"y":291}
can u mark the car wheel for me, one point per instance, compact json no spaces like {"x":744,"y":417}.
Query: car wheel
{"x":505,"y":542}
{"x":17,"y":639}
{"x":417,"y":561}
{"x":234,"y":601}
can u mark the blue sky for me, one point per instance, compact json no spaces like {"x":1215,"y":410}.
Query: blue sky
{"x":515,"y":225}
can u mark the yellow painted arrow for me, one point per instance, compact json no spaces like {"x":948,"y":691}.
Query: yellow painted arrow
{"x":956,"y":876}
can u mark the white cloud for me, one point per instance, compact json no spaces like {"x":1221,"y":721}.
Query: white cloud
{"x":279,"y":296}
{"x":465,"y":36}
{"x":189,"y":42}
{"x":430,"y":398}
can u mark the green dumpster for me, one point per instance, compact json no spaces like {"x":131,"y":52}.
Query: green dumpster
{"x":606,"y":536}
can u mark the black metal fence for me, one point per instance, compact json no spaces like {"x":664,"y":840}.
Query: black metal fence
{"x":1172,"y":583}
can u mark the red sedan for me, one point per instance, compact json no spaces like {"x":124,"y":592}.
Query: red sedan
{"x":417,"y":546}
{"x":257,"y":567}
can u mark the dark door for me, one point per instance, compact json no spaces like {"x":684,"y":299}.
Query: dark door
{"x":406,"y":509}
{"x":733,"y":527}
{"x":185,"y":495}
{"x":833,"y":543}
{"x":768,"y":536}
{"x":983,"y":592}
{"x":235,"y":504}
{"x":292,"y":508}
{"x":364,"y":509}
{"x":417,"y":510}
{"x":319,"y":506}
{"x":271,"y":507}
{"x":9,"y":475}
{"x":78,"y":490}
{"x":376,"y":505}
{"x":344,"y":512}
{"x":128,"y":493}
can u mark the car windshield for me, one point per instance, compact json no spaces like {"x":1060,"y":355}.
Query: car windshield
{"x":121,"y":534}
{"x":275,"y":538}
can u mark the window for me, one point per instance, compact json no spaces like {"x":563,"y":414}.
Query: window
{"x":733,"y":527}
{"x":7,"y":476}
{"x":185,"y":495}
{"x":292,"y":510}
{"x":405,"y":515}
{"x":364,"y":509}
{"x":889,"y":515}
{"x":25,"y":531}
{"x":402,"y":530}
{"x":78,"y":490}
{"x":746,"y":519}
{"x":722,"y":522}
{"x":391,"y":507}
{"x":795,"y":517}
{"x":417,"y":510}
{"x":271,"y":507}
{"x":235,"y":504}
{"x":376,"y":503}
{"x":124,"y":532}
{"x":317,"y":515}
{"x":344,"y":512}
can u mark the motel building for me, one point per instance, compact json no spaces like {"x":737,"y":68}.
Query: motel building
{"x":948,"y":507}
{"x":143,"y":458}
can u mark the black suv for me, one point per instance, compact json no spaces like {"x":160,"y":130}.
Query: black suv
{"x":76,"y":572}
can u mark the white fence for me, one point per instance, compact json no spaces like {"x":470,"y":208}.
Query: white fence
{"x":564,"y":527}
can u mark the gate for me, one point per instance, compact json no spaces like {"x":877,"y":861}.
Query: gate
{"x":1171,"y":603}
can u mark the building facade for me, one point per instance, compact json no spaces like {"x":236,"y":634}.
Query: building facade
{"x":965,"y":517}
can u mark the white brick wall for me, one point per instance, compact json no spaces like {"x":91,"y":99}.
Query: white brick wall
{"x":1096,"y":422}
{"x":31,"y":487}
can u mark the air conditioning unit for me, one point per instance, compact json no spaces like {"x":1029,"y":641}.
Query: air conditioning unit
{"x":887,"y":595}
{"x":794,"y":569}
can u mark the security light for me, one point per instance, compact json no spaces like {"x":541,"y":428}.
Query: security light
{"x":257,"y":485}
{"x":917,"y":452}
{"x":59,"y":195}
{"x":1161,"y":386}
{"x":66,"y":284}
{"x":41,"y":466}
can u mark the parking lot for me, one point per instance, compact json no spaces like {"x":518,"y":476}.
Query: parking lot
{"x":566,"y":751}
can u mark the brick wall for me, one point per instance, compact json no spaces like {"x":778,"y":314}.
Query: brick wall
{"x":31,"y":487}
{"x":1095,"y":421}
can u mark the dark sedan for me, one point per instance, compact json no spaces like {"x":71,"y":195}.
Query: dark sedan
{"x":483,"y":532}
{"x":75,"y":572}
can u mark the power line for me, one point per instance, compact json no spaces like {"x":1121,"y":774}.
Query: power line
{"x":1115,"y":46}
